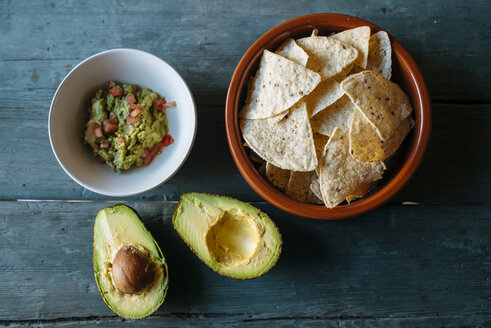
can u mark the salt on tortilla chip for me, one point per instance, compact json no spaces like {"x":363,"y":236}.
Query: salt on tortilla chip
{"x":360,"y":191}
{"x":337,"y":115}
{"x":325,"y":94}
{"x":278,"y":85}
{"x":327,"y":56}
{"x":380,"y":54}
{"x":278,"y":177}
{"x":291,"y":50}
{"x":316,"y":189}
{"x":299,"y":187}
{"x":365,"y":143}
{"x":285,"y":143}
{"x":340,"y":173}
{"x":359,"y":38}
{"x":382,"y":102}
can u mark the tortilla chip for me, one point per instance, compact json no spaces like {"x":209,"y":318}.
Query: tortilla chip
{"x":360,"y":191}
{"x":262,"y":169}
{"x":327,"y":56}
{"x":278,"y":177}
{"x":340,"y":173}
{"x":365,"y":143}
{"x":356,"y":69}
{"x":287,"y":143}
{"x":280,"y":116}
{"x":325,"y":94}
{"x":299,"y":187}
{"x":380,"y":54}
{"x":315,"y":187}
{"x":278,"y":85}
{"x":382,"y":102}
{"x":255,"y":157}
{"x":359,"y":38}
{"x":291,"y":50}
{"x":320,"y":141}
{"x":336,"y":115}
{"x":343,"y":74}
{"x":250,"y":86}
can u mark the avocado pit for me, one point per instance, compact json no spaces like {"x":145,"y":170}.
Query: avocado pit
{"x":132,"y":270}
{"x":232,"y":239}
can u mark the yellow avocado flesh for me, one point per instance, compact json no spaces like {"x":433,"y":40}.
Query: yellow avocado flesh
{"x":233,"y":238}
{"x":114,"y":228}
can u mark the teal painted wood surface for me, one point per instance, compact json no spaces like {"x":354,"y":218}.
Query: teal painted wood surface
{"x":400,"y":265}
{"x":395,"y":265}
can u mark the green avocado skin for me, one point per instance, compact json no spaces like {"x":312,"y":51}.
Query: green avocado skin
{"x":210,"y":223}
{"x":118,"y":226}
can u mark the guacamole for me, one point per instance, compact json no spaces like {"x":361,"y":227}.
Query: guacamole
{"x":127,"y":125}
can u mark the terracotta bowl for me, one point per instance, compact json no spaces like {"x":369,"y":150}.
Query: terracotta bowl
{"x":401,"y":167}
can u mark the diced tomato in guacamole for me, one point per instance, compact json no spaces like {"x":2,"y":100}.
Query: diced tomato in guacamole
{"x":127,"y":126}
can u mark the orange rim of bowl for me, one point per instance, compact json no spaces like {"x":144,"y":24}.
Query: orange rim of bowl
{"x":417,"y":91}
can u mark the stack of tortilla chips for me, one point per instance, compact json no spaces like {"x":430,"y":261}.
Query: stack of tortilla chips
{"x":324,"y":116}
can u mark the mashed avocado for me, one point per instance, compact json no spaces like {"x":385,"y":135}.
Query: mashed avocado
{"x":127,"y":125}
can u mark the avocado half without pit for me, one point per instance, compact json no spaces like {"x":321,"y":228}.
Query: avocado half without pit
{"x":130,"y":270}
{"x":233,"y":238}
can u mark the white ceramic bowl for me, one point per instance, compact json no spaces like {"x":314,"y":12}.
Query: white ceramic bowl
{"x":68,"y":115}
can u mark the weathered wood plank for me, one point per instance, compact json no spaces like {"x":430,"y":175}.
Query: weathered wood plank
{"x":245,"y":320}
{"x":398,"y":264}
{"x":449,"y":39}
{"x":455,"y":169}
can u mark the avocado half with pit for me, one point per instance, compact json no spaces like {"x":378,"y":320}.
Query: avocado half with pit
{"x":129,"y":268}
{"x":232,"y":237}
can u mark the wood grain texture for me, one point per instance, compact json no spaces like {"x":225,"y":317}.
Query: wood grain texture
{"x":398,"y":264}
{"x":204,"y":41}
{"x":449,"y":39}
{"x":456,"y":167}
{"x":179,"y":320}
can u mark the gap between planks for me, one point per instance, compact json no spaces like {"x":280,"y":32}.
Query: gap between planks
{"x":158,"y":201}
{"x":404,"y":203}
{"x":244,"y":317}
{"x":119,"y":201}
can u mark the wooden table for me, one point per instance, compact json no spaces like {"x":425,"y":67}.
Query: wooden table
{"x":421,"y":260}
